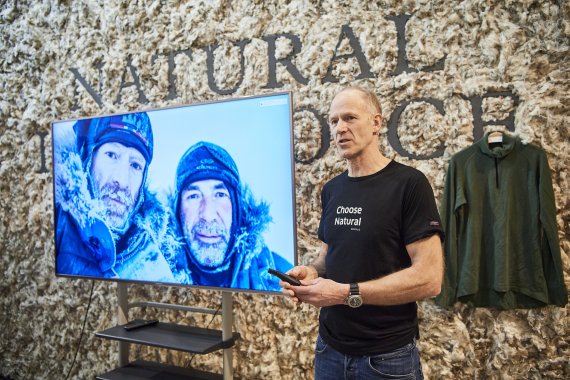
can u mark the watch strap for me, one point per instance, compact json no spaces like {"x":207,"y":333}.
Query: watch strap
{"x":354,"y":289}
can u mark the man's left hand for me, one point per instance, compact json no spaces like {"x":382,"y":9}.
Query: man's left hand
{"x":321,"y":292}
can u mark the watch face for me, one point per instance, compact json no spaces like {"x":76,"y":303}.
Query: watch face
{"x":354,"y":301}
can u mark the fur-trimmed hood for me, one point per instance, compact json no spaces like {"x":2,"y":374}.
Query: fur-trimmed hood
{"x":255,"y":219}
{"x":73,"y":196}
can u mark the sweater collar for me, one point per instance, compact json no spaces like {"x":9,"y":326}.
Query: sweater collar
{"x":499,"y":150}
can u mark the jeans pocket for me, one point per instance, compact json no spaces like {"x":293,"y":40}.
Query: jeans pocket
{"x":320,"y":346}
{"x":398,"y":364}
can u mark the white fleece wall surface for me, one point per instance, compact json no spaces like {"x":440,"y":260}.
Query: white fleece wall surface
{"x":140,"y":55}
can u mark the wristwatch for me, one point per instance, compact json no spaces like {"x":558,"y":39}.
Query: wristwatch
{"x":354,"y":298}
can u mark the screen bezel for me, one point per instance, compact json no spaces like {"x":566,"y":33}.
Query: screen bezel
{"x":292,"y":200}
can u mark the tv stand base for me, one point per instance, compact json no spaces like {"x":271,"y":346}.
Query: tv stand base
{"x":141,"y":369}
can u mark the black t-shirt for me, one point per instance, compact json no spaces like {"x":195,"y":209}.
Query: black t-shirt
{"x":367,"y":223}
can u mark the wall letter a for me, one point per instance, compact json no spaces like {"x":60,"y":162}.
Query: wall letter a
{"x":136,"y":82}
{"x":365,"y":71}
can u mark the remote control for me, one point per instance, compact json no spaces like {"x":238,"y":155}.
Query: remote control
{"x":138,"y":323}
{"x":285,"y":277}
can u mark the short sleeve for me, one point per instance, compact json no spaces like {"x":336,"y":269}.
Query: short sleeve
{"x":420,"y":217}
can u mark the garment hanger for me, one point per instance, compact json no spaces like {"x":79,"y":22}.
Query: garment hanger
{"x":495,"y":137}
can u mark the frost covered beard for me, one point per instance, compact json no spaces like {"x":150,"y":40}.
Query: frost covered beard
{"x":209,"y":255}
{"x":117,"y":172}
{"x":207,"y":213}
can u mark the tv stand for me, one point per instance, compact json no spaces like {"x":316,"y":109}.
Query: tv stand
{"x":171,"y":336}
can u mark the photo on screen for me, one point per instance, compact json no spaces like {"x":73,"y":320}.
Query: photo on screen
{"x":197,"y":195}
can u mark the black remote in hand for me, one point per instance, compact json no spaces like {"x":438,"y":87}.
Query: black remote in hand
{"x":285,"y":277}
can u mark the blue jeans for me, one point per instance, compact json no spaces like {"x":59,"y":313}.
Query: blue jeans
{"x":402,"y":363}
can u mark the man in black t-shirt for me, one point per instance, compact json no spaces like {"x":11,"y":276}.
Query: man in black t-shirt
{"x":381,"y":252}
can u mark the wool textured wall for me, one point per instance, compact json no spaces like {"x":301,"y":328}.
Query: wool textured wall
{"x":445,"y":72}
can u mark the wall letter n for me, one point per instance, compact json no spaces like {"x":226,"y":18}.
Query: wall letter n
{"x":88,"y":87}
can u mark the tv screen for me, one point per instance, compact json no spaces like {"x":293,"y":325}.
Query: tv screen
{"x":197,"y":195}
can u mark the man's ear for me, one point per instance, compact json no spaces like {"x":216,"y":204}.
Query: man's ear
{"x":377,"y":123}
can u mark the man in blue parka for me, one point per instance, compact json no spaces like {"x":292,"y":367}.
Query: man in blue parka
{"x":220,"y":224}
{"x":107,"y":222}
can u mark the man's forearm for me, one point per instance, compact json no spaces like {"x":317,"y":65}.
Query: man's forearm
{"x":319,"y":264}
{"x":407,"y":285}
{"x":421,"y":280}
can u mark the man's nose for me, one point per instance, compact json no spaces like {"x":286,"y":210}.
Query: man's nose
{"x":340,"y":127}
{"x":208,"y":210}
{"x":120,"y":176}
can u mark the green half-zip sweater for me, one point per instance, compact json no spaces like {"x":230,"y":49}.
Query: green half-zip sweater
{"x":502,"y":248}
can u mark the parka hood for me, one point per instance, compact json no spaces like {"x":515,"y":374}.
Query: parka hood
{"x":72,"y":194}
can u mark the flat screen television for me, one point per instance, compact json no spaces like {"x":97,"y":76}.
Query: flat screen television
{"x":197,"y":195}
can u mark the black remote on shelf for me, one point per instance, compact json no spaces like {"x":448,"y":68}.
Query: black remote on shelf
{"x":138,"y":323}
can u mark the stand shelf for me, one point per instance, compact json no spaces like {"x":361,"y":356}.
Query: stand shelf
{"x":141,"y":369}
{"x":170,"y":336}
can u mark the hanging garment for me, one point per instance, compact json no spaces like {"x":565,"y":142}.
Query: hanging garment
{"x":502,"y":248}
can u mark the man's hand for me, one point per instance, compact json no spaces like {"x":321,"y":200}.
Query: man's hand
{"x":315,"y":290}
{"x":301,"y":272}
{"x":321,"y":292}
{"x":304,"y":272}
